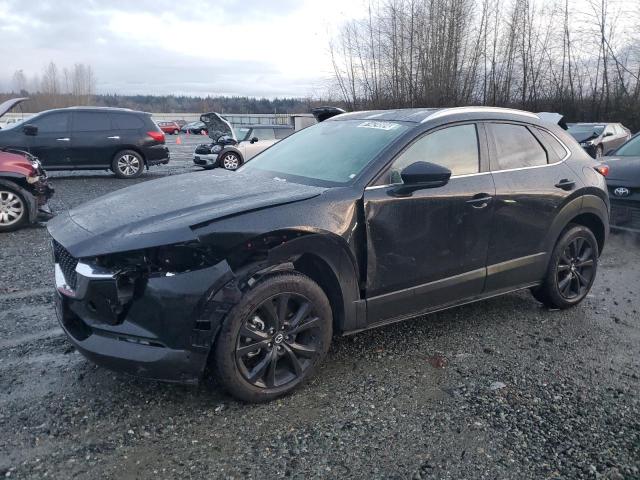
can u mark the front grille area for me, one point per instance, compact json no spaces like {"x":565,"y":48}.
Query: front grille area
{"x":67,"y":263}
{"x":625,"y":215}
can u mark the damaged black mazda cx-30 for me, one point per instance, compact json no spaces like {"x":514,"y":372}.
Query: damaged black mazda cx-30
{"x":362,"y":220}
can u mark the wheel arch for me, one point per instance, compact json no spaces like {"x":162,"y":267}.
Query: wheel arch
{"x":233,"y":149}
{"x":587,"y":210}
{"x":322,"y":256}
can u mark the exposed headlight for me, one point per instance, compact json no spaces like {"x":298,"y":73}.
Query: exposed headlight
{"x":216,"y":148}
{"x":178,"y":258}
{"x":33,"y":179}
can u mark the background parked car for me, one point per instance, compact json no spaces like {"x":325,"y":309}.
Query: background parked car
{"x":89,"y":138}
{"x":252,"y":140}
{"x":24,"y":190}
{"x":623,"y":182}
{"x":171,"y":128}
{"x":599,"y":138}
{"x":194,"y":127}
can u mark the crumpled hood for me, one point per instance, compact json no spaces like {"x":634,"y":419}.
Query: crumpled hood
{"x":623,"y":171}
{"x":583,"y":137}
{"x":161,"y":212}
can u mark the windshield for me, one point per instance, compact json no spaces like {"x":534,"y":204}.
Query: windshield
{"x":586,"y":129}
{"x":331,"y":153}
{"x":630,"y":149}
{"x":241,"y":133}
{"x":11,"y":125}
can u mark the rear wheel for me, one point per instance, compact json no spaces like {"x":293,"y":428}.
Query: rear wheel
{"x":127,"y":164}
{"x":572,"y":269}
{"x":273,"y":340}
{"x":13,"y":209}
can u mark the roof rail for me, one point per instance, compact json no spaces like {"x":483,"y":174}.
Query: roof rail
{"x":453,"y":110}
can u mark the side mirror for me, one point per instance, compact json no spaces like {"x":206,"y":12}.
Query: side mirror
{"x":608,"y":134}
{"x":30,"y":130}
{"x":421,"y":175}
{"x":254,"y":140}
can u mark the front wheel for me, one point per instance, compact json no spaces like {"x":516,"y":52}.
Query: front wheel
{"x":572,"y":269}
{"x":230,"y":161}
{"x":127,"y":164}
{"x":13,"y":209}
{"x":274,"y":339}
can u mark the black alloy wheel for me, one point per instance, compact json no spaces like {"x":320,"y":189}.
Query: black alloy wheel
{"x":575,"y":270}
{"x":278,"y":341}
{"x":273,"y":340}
{"x":572,"y":269}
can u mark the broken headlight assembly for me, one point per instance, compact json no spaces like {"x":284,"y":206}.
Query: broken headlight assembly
{"x":163,"y":260}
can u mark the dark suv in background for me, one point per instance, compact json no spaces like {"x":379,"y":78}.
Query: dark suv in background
{"x":89,"y":138}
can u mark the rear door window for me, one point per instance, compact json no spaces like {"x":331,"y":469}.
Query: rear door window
{"x":516,"y":147}
{"x":53,"y":122}
{"x":91,"y":121}
{"x":124,"y":121}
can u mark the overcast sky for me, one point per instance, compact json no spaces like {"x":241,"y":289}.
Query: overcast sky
{"x":196,"y":47}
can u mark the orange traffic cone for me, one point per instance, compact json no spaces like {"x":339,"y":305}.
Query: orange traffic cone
{"x":179,"y":140}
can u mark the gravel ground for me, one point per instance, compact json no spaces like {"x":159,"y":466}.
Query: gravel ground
{"x":500,"y":389}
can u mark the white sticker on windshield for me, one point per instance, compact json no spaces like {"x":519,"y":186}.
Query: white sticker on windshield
{"x":379,"y":125}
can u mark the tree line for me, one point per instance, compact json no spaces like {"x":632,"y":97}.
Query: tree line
{"x":57,"y":87}
{"x":542,"y":55}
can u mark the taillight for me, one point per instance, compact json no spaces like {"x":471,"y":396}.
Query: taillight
{"x":602,"y":170}
{"x":157,"y":136}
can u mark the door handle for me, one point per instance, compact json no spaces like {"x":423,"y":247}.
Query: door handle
{"x":565,"y":184}
{"x":481,"y":200}
{"x":115,"y":137}
{"x":65,"y":139}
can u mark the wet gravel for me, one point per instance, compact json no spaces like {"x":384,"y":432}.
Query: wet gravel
{"x":500,"y":389}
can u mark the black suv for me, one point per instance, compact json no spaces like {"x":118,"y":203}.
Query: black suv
{"x":364,"y":219}
{"x":89,"y":138}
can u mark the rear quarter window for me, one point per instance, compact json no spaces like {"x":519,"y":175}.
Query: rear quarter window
{"x":125,"y":121}
{"x":555,"y":150}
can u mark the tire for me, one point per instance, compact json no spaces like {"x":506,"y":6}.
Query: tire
{"x":296,"y":345}
{"x":572,"y":269}
{"x":14,"y":209}
{"x":127,"y":164}
{"x":230,"y":161}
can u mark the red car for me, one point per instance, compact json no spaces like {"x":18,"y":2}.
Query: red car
{"x":171,"y":128}
{"x":24,"y":190}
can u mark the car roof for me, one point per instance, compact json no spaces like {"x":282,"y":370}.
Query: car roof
{"x":423,"y":115}
{"x":96,"y":109}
